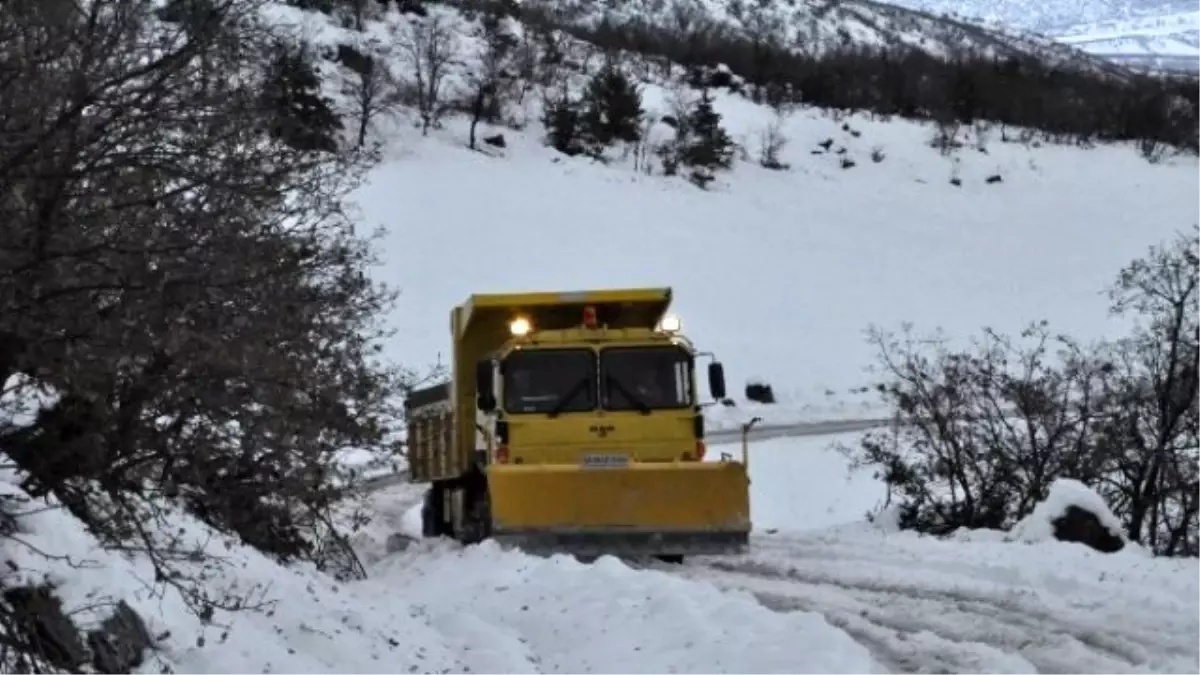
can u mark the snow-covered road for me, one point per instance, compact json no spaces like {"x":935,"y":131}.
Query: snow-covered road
{"x":974,"y":603}
{"x":929,"y":606}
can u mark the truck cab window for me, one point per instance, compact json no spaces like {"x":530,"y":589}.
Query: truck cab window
{"x":550,"y":380}
{"x":645,"y":378}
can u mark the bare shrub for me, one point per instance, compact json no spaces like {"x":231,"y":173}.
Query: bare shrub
{"x":180,"y":277}
{"x":430,"y":48}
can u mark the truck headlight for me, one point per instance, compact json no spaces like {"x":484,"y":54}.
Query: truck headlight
{"x":670,"y":324}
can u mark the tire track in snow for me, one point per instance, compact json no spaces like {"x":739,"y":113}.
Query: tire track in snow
{"x":958,"y":624}
{"x":911,"y":633}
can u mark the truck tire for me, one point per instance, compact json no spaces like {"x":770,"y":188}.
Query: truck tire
{"x":477,"y":521}
{"x":433,"y":523}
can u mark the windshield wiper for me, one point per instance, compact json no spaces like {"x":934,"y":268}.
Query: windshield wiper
{"x":566,"y":399}
{"x":638,"y":403}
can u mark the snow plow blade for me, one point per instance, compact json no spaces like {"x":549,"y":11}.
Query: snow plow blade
{"x":639,"y":509}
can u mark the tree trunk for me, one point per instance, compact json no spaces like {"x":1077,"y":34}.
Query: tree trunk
{"x":476,"y":113}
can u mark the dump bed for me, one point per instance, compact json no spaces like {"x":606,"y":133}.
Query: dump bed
{"x":430,"y":418}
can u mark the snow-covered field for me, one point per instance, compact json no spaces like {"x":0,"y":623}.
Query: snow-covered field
{"x":779,"y":273}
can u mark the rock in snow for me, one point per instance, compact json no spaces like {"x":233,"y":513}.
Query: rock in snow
{"x":1072,"y":512}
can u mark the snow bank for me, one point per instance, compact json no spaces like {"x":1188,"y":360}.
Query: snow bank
{"x":360,"y":464}
{"x":722,"y":418}
{"x":517,"y":613}
{"x":804,"y":484}
{"x":1064,"y":493}
{"x":563,"y":616}
{"x":437,"y":607}
{"x":308,"y":622}
{"x":394,"y":510}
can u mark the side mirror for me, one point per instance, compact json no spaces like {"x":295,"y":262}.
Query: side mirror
{"x":716,"y":380}
{"x":485,"y":386}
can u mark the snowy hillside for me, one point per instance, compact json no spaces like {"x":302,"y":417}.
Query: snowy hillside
{"x":1169,"y":41}
{"x":1140,"y":33}
{"x":780,"y":273}
{"x":1047,"y":16}
{"x":814,"y":26}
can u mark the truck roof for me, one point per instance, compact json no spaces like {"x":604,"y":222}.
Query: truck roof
{"x":552,"y":310}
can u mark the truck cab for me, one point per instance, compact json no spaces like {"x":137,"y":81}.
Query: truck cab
{"x":593,"y":395}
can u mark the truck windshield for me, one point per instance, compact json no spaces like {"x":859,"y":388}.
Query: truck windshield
{"x":645,"y":378}
{"x":549,"y":381}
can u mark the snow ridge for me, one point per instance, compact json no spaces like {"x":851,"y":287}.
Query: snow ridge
{"x":816,"y":26}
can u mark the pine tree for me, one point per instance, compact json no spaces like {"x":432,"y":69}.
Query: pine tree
{"x":611,"y":110}
{"x":303,"y":117}
{"x":706,"y":146}
{"x":562,"y":122}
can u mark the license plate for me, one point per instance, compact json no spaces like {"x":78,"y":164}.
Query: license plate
{"x":604,"y":460}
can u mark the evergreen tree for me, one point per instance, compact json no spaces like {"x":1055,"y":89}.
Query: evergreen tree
{"x":562,"y":122}
{"x":706,"y":145}
{"x":611,"y":110}
{"x":301,"y":116}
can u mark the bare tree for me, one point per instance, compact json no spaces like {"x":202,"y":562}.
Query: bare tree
{"x":525,"y":65}
{"x":372,"y":89}
{"x":772,"y":142}
{"x":980,"y":435}
{"x":1154,"y":398}
{"x":430,"y":46}
{"x":491,"y":76}
{"x":184,"y":279}
{"x":644,"y":148}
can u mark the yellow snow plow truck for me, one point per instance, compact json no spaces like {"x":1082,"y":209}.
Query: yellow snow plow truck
{"x":572,"y":424}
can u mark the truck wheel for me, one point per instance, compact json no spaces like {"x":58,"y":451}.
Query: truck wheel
{"x":432,"y":521}
{"x":477,"y":522}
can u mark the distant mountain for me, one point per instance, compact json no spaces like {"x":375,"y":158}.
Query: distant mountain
{"x":814,"y":26}
{"x":1051,"y":16}
{"x":1147,"y":33}
{"x":1163,"y":41}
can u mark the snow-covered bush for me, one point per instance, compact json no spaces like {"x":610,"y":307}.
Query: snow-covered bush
{"x":1071,"y":511}
{"x":981,"y":434}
